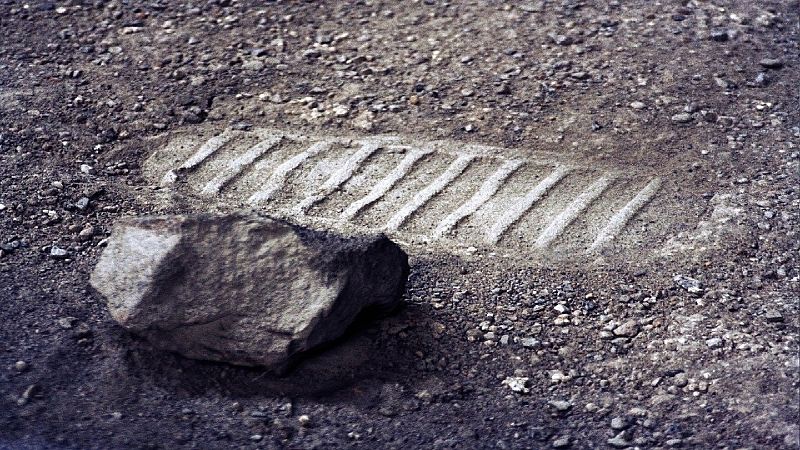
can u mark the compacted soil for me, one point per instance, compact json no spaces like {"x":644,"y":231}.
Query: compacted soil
{"x":687,"y":341}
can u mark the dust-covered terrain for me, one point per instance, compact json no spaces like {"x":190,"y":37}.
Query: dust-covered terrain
{"x":682,"y":332}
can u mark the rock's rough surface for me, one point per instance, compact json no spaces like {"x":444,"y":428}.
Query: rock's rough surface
{"x":243,"y":288}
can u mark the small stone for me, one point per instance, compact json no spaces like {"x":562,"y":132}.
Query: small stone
{"x":256,"y":437}
{"x":58,"y":253}
{"x":580,"y":75}
{"x":682,"y":118}
{"x":563,"y":320}
{"x":680,"y":380}
{"x":773,"y":315}
{"x":619,"y":423}
{"x":116,"y":415}
{"x":82,"y":203}
{"x":719,"y":35}
{"x":714,"y":342}
{"x":619,"y":441}
{"x":304,"y":420}
{"x":529,"y":342}
{"x":628,"y":329}
{"x":517,"y":384}
{"x":253,"y":65}
{"x":761,"y":79}
{"x":689,"y":284}
{"x":771,"y":63}
{"x":341,"y":110}
{"x":562,"y":442}
{"x":724,"y":83}
{"x":26,"y":396}
{"x":21,"y":366}
{"x":561,"y":39}
{"x":560,"y":405}
{"x":87,"y":169}
{"x":638,"y":105}
{"x":86,"y":233}
{"x":66,"y":322}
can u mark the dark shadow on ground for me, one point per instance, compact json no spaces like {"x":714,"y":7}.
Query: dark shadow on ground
{"x":366,"y":352}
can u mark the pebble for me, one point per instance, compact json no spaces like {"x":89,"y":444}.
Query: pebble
{"x":680,"y":380}
{"x":529,"y":342}
{"x":719,"y":35}
{"x":560,"y":39}
{"x":628,"y":329}
{"x":773,"y":315}
{"x":771,"y":63}
{"x":682,"y":118}
{"x":29,"y":392}
{"x":82,"y":203}
{"x":619,"y":441}
{"x":341,"y":111}
{"x":619,"y":423}
{"x":86,"y":233}
{"x":21,"y":366}
{"x":66,"y":322}
{"x":714,"y":343}
{"x":689,"y":284}
{"x":504,"y":89}
{"x":87,"y":169}
{"x":560,"y":405}
{"x":304,"y":420}
{"x":58,"y":253}
{"x":518,"y":384}
{"x":638,"y":105}
{"x":562,"y":442}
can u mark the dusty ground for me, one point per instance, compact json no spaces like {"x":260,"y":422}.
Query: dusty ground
{"x":706,"y":92}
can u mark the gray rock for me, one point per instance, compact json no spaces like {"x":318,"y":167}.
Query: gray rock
{"x":628,"y":329}
{"x":243,"y":288}
{"x":619,"y":423}
{"x":58,"y":253}
{"x":560,"y":39}
{"x":719,"y":35}
{"x":561,"y":442}
{"x":619,"y":441}
{"x":689,"y":284}
{"x":771,"y":63}
{"x":637,"y":105}
{"x":682,"y":118}
{"x":773,"y":315}
{"x":560,"y":405}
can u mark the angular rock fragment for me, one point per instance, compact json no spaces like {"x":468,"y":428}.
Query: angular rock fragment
{"x":243,"y":288}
